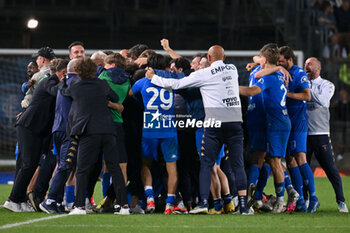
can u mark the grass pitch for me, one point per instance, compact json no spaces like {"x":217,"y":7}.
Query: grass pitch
{"x":327,"y":219}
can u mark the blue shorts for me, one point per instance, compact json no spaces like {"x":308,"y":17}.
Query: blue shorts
{"x":277,"y":139}
{"x":297,"y":138}
{"x":168,"y":146}
{"x":257,"y":133}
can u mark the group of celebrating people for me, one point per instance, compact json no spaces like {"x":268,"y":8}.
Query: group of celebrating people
{"x":164,"y":129}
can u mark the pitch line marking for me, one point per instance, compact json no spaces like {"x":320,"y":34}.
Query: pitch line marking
{"x":7,"y":226}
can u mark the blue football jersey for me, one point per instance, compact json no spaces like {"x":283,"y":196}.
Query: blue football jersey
{"x":158,"y":116}
{"x":275,"y":93}
{"x":297,"y":108}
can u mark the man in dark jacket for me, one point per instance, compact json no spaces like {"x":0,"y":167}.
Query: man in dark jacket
{"x":33,"y":126}
{"x":66,"y":148}
{"x":90,"y":121}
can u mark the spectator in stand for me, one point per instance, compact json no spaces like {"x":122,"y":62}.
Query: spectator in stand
{"x":326,"y":18}
{"x":342,"y":16}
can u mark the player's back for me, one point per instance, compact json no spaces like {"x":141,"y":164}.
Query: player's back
{"x":159,"y":107}
{"x":275,"y":93}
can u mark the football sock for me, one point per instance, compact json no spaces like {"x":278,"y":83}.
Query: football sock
{"x":297,"y":180}
{"x":309,"y":181}
{"x":253,"y":174}
{"x":149,"y":191}
{"x":264,"y":176}
{"x":287,"y":182}
{"x":106,"y":178}
{"x":70,"y":194}
{"x":279,"y":189}
{"x":227,"y":198}
{"x":218,"y":204}
{"x":170,"y":199}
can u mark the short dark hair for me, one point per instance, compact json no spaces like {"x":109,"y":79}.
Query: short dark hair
{"x":271,"y":53}
{"x":75,"y":43}
{"x":157,"y":61}
{"x":136,"y":50}
{"x":287,"y":52}
{"x":85,"y":68}
{"x":181,"y":62}
{"x":117,"y":59}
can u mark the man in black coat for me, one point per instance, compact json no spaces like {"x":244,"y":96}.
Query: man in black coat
{"x":33,"y":126}
{"x":90,"y":121}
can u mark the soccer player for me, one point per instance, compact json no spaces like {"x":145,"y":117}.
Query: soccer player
{"x":318,"y":139}
{"x":278,"y":123}
{"x":219,"y":88}
{"x":158,"y":130}
{"x":298,"y":94}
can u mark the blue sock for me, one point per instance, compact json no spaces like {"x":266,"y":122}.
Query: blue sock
{"x":279,"y":189}
{"x":288,"y":185}
{"x":309,"y":181}
{"x":297,"y":182}
{"x":227,"y":198}
{"x":218,"y":204}
{"x":149,"y":193}
{"x":70,"y":194}
{"x":264,"y":176}
{"x":170,"y":199}
{"x":106,"y":182}
{"x":253,"y":174}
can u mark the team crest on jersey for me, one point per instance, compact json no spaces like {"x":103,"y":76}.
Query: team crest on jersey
{"x":303,"y":79}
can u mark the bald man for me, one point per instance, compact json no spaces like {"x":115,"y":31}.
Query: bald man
{"x":318,"y":139}
{"x":218,"y":84}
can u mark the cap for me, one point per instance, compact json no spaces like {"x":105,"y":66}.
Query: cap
{"x":46,"y":52}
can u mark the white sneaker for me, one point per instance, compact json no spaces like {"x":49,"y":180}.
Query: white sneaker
{"x":69,"y":206}
{"x":27,"y":207}
{"x":124,"y":210}
{"x":13,"y":206}
{"x":342,"y":207}
{"x":137,"y":210}
{"x":279,"y":206}
{"x":77,"y":211}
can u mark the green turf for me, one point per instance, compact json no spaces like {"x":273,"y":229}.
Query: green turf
{"x":327,"y":219}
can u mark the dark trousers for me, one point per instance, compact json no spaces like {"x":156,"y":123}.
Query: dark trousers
{"x":29,"y":152}
{"x":231,"y":134}
{"x":66,"y":159}
{"x":227,"y":169}
{"x":321,"y":146}
{"x":47,"y":166}
{"x":89,"y":151}
{"x":188,"y":164}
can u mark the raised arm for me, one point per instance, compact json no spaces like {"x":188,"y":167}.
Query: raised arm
{"x":165,"y":44}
